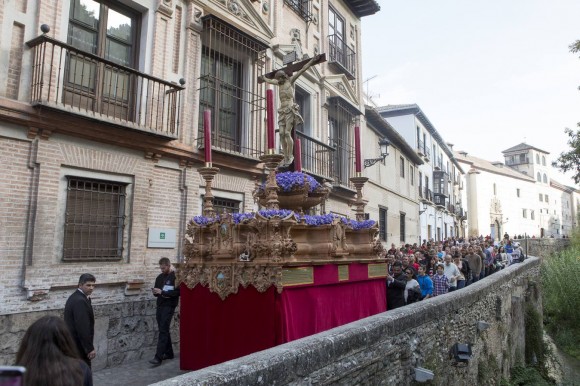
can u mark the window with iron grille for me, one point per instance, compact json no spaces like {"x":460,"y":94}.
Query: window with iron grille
{"x":383,"y":224}
{"x":340,"y":126}
{"x":301,"y":7}
{"x":231,"y":63}
{"x":94,"y":220}
{"x":225,"y":205}
{"x":402,"y":226}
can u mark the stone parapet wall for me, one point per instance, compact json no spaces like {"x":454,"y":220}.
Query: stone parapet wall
{"x":543,"y":247}
{"x":124,"y":332}
{"x":386,"y":348}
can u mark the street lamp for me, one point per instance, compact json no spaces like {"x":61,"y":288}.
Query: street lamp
{"x":384,"y":148}
{"x":424,"y":208}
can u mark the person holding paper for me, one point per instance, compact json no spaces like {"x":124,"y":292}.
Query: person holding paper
{"x":167,"y":294}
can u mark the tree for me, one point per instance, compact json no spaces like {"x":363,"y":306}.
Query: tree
{"x":570,"y":160}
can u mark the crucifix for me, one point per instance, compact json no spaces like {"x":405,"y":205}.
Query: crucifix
{"x":289,"y":112}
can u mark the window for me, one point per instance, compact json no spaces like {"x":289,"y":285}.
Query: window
{"x":107,"y":30}
{"x":340,"y":126}
{"x":229,"y":59}
{"x":339,"y":51}
{"x":383,"y":224}
{"x":302,"y":99}
{"x":94,"y":220}
{"x":545,"y":179}
{"x":301,"y":7}
{"x":494,"y":189}
{"x":541,"y":197}
{"x":517,"y":192}
{"x":225,"y":205}
{"x":546,"y":198}
{"x":402,"y":166}
{"x":412,"y":174}
{"x":543,"y":160}
{"x":524,"y":213}
{"x":538,"y":159}
{"x":402,"y":226}
{"x":539,"y":177}
{"x":532,"y":215}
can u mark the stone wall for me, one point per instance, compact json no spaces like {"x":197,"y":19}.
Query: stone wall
{"x":386,"y":348}
{"x":543,"y":246}
{"x":124,"y":332}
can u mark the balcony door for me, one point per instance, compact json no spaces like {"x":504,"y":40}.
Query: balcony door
{"x":109,"y":32}
{"x":336,"y":31}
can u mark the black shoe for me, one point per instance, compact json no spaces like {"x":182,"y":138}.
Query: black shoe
{"x":155,"y":361}
{"x":165,"y":356}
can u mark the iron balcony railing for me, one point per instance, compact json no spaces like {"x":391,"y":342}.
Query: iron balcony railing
{"x":342,"y":55}
{"x":317,"y":157}
{"x":451,"y":208}
{"x":428,"y":194}
{"x":421,"y":147}
{"x":518,"y":161}
{"x":79,"y":82}
{"x":301,"y":7}
{"x":342,"y":163}
{"x":421,"y":191}
{"x":427,"y":153}
{"x":439,"y":200}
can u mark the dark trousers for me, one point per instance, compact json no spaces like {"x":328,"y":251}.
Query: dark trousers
{"x":164,"y":347}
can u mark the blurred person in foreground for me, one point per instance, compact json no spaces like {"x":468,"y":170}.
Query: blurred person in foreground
{"x":50,"y":356}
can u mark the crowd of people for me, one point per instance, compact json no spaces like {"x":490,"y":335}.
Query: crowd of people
{"x":418,"y":272}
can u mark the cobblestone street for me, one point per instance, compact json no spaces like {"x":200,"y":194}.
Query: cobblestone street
{"x":137,"y":373}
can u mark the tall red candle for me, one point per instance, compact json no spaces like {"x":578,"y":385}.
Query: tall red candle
{"x":357,"y":153}
{"x":270,"y":117}
{"x":297,"y":156}
{"x":207,"y":135}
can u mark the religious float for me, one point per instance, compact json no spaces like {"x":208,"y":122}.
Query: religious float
{"x":250,"y":281}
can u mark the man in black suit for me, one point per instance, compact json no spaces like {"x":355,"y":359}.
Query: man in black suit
{"x":79,"y":317}
{"x":396,"y":287}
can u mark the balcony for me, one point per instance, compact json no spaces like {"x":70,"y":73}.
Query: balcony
{"x":420,"y":147}
{"x":341,"y":56}
{"x":428,"y":194}
{"x":427,"y":154}
{"x":317,"y":157}
{"x":84,"y":84}
{"x":518,"y":161}
{"x":439,"y":200}
{"x":301,"y":7}
{"x":451,"y":208}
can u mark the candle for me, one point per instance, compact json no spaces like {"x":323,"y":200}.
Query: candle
{"x":297,"y":156}
{"x":270,"y":117}
{"x":357,"y":153}
{"x":207,"y":135}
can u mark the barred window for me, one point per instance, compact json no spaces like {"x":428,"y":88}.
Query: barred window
{"x":341,"y":117}
{"x":402,"y":227}
{"x":383,"y":224}
{"x":224,"y":205}
{"x":94,"y":220}
{"x":231,"y":63}
{"x":301,"y":7}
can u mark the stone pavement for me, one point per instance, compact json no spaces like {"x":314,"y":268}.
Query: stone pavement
{"x":137,"y":373}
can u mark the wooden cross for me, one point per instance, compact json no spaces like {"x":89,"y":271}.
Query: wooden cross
{"x":293,"y":67}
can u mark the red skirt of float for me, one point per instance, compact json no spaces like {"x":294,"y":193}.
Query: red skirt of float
{"x":214,"y":330}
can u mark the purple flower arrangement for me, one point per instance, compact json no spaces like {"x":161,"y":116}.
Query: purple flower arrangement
{"x":269,"y":213}
{"x":288,"y":181}
{"x":316,"y":220}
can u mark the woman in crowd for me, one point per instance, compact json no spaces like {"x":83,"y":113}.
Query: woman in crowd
{"x":50,"y":356}
{"x":463,"y":267}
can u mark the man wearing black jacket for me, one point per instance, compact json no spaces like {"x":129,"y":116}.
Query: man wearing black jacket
{"x":80,"y":319}
{"x":396,"y":287}
{"x":167,"y":294}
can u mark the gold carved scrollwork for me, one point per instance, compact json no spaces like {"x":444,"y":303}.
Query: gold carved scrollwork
{"x":225,"y":280}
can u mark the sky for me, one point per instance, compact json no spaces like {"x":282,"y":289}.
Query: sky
{"x":488,"y":74}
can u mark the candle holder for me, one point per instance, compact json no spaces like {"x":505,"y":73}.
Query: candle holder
{"x":359,"y":182}
{"x":208,"y":173}
{"x":272,"y":161}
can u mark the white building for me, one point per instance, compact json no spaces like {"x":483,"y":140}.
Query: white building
{"x":518,"y":197}
{"x":441,"y":213}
